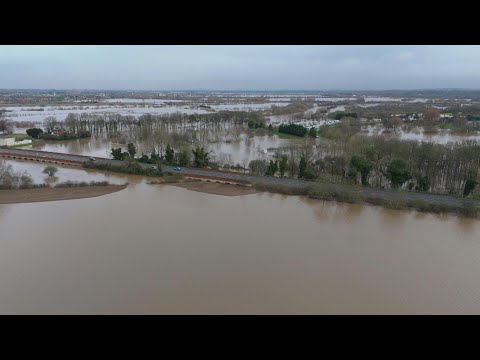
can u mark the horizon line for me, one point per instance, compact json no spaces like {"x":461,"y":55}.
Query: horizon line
{"x":238,"y":90}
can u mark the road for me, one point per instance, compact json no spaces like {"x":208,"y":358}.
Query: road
{"x":232,"y":176}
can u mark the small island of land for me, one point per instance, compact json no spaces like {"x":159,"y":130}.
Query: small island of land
{"x":19,"y":196}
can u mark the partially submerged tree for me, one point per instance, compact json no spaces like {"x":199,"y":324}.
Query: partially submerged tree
{"x":5,"y":125}
{"x":258,"y":167}
{"x":50,"y":170}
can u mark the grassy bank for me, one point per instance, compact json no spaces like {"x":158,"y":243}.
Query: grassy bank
{"x":354,"y":194}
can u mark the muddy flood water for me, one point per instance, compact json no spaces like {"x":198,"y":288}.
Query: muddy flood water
{"x":161,"y":249}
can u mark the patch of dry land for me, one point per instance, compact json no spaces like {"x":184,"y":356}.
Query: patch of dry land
{"x":217,"y":189}
{"x":19,"y":196}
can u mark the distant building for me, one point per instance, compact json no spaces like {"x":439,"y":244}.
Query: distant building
{"x":59,"y":131}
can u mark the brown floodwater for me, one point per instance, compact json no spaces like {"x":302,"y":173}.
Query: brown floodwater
{"x":162,"y":249}
{"x":244,"y":149}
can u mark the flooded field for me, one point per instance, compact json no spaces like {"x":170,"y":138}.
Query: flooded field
{"x":163,"y":249}
{"x":23,"y":114}
{"x":69,"y":173}
{"x":249,"y":148}
{"x":418,"y":134}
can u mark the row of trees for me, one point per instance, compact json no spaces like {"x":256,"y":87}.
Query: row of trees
{"x":378,"y":162}
{"x":11,"y":179}
{"x":97,"y":123}
{"x":171,"y":157}
{"x":262,"y":167}
{"x":6,"y":126}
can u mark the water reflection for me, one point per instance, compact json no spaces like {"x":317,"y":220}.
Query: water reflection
{"x":465,"y":225}
{"x":334,"y":212}
{"x":392,"y":218}
{"x":51,"y":180}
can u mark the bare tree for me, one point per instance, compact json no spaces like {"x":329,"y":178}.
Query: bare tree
{"x":431,"y":115}
{"x":245,"y":164}
{"x":50,"y":123}
{"x":5,"y":125}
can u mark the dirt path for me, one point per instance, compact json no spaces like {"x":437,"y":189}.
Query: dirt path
{"x":54,"y":194}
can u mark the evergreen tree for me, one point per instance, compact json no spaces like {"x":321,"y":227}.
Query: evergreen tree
{"x":272,"y":168}
{"x":302,"y":167}
{"x":132,"y":150}
{"x":200,"y":157}
{"x":117,"y":154}
{"x":283,"y":165}
{"x":169,"y":154}
{"x":471,"y":182}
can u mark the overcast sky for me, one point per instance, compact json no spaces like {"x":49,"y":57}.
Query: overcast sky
{"x":239,"y":67}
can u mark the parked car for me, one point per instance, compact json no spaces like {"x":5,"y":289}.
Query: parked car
{"x":91,"y":158}
{"x":178,"y":169}
{"x":154,"y":167}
